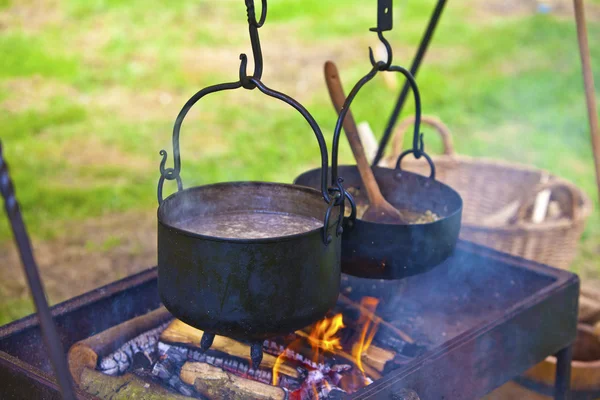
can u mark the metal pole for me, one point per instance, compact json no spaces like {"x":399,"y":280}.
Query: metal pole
{"x":562,"y":390}
{"x":437,"y":13}
{"x":588,"y":80}
{"x":51,"y":339}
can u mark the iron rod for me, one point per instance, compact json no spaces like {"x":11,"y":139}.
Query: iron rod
{"x":588,"y":80}
{"x":51,"y":339}
{"x":562,"y":390}
{"x":422,"y":49}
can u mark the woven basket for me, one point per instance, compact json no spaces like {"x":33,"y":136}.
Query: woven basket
{"x":499,"y":198}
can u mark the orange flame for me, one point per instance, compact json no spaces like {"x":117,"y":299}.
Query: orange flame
{"x":281,"y":357}
{"x":323,"y":335}
{"x":368,"y":332}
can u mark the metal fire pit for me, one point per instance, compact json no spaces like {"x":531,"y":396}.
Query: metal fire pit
{"x":497,"y":316}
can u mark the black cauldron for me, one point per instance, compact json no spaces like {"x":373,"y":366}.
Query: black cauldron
{"x":256,"y":287}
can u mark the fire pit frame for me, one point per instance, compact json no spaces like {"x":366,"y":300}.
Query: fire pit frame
{"x":549,"y":316}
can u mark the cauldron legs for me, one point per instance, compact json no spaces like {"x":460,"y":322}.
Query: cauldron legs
{"x":256,"y":354}
{"x":207,"y":340}
{"x":256,"y":351}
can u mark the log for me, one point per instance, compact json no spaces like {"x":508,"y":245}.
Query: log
{"x":215,"y":383}
{"x":371,"y":372}
{"x":541,"y":203}
{"x":377,"y":357}
{"x":123,"y":387}
{"x":181,"y":333}
{"x":85,"y":353}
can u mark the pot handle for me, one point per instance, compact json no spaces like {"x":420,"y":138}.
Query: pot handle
{"x":418,"y":149}
{"x":429,"y":161}
{"x":333,"y":196}
{"x":174,"y":173}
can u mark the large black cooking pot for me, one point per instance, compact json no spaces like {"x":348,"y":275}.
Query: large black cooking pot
{"x":248,"y":288}
{"x":386,"y":251}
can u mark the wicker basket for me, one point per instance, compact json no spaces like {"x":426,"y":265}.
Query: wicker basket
{"x":499,"y":199}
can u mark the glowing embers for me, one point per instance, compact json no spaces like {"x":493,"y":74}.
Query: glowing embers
{"x":336,"y":353}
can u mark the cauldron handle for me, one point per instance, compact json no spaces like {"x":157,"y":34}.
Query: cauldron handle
{"x":411,"y":151}
{"x":315,"y":127}
{"x":174,"y":173}
{"x":417,"y":150}
{"x":250,"y":83}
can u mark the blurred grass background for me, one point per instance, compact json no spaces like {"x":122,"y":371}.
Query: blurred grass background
{"x":89,"y":90}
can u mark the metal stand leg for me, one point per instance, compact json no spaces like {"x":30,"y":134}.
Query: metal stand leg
{"x":51,"y":337}
{"x":562,"y":390}
{"x":435,"y":17}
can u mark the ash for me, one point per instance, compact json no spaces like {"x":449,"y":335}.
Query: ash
{"x":152,"y":359}
{"x":303,"y":375}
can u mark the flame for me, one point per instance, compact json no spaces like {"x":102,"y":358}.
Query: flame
{"x":281,"y":357}
{"x":323,"y":335}
{"x":368,"y":332}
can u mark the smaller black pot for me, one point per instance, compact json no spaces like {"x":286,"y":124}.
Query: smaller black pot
{"x":384,"y":251}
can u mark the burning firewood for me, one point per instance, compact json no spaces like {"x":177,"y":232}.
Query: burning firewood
{"x":116,"y":346}
{"x":376,"y":357}
{"x":123,"y":387}
{"x":120,"y":360}
{"x":180,"y":333}
{"x":371,"y":372}
{"x":168,"y":367}
{"x":215,"y":383}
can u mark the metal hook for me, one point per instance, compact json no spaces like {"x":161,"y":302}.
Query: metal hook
{"x":253,"y":26}
{"x":382,"y":66}
{"x":252,"y":13}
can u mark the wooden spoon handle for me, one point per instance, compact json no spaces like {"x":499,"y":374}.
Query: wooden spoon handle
{"x":336,"y":91}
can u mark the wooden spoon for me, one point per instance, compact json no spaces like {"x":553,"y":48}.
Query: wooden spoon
{"x":379,"y":210}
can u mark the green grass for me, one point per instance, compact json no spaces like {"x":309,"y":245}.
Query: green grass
{"x":14,"y":308}
{"x":27,"y":56}
{"x":509,"y":88}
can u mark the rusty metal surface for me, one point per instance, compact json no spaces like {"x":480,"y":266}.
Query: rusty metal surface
{"x":498,"y":349}
{"x":502,"y":338}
